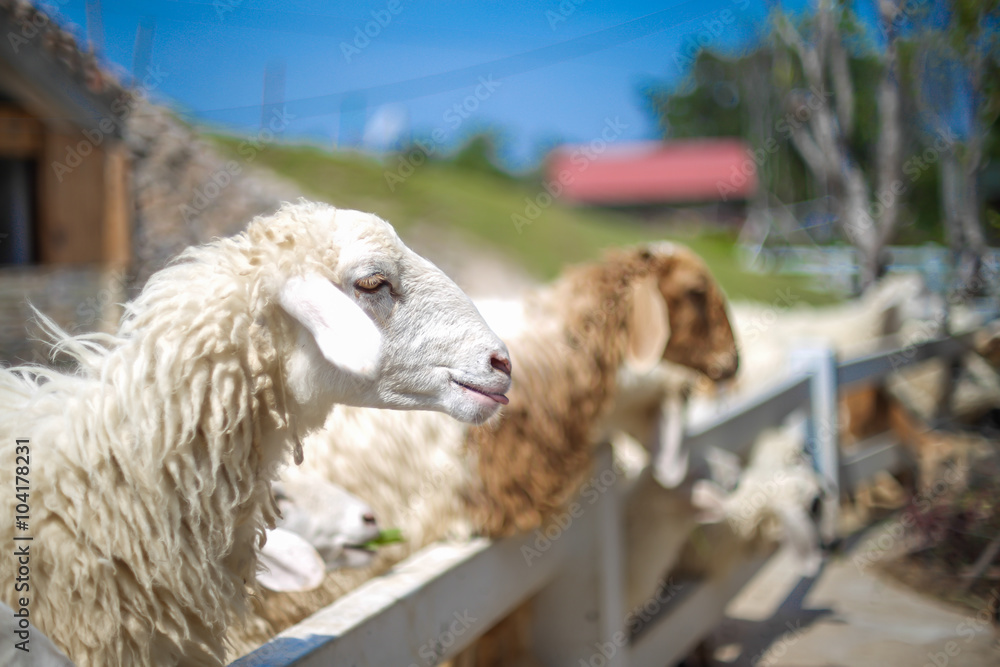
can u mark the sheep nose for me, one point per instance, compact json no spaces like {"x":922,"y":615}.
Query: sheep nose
{"x":368,"y":518}
{"x":724,"y":366}
{"x":501,"y":363}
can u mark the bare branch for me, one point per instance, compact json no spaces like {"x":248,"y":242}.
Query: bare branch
{"x":843,"y":86}
{"x":808,"y":57}
{"x":810,"y":152}
{"x":890,"y":138}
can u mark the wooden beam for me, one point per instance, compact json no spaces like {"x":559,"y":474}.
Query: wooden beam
{"x":580,"y":615}
{"x":823,"y":428}
{"x":736,"y":428}
{"x":875,"y":366}
{"x":117,"y":232}
{"x":71,"y":213}
{"x":428,"y":608}
{"x":20,"y":133}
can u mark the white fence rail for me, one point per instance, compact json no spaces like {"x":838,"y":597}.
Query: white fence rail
{"x":838,"y":265}
{"x":431,"y":606}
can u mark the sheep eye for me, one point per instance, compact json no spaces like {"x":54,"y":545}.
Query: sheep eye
{"x":371,"y":283}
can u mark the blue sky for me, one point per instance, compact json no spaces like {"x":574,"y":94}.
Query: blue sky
{"x":543,"y":71}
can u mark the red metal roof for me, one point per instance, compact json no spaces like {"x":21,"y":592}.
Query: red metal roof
{"x":651,"y":172}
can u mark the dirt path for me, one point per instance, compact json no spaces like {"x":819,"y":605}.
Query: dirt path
{"x":847,"y":617}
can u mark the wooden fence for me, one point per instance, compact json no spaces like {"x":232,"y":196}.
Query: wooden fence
{"x":437,"y":602}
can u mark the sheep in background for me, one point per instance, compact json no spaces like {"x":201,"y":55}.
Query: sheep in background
{"x":777,"y":499}
{"x":321,"y":527}
{"x":765,"y":335}
{"x":434,"y":478}
{"x":150,"y":468}
{"x":899,"y":305}
{"x":872,"y":411}
{"x":773,"y":498}
{"x":573,"y":339}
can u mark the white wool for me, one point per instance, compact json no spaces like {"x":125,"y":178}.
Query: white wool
{"x":150,"y":467}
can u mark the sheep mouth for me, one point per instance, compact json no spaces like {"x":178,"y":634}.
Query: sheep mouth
{"x":499,"y":398}
{"x":360,"y":551}
{"x":359,"y":547}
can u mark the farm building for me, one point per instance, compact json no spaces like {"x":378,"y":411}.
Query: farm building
{"x":99,"y":187}
{"x":654,"y":174}
{"x":64,"y":177}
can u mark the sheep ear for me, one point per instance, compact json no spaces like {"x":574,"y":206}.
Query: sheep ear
{"x":649,"y":327}
{"x":289,"y":563}
{"x":345,"y":334}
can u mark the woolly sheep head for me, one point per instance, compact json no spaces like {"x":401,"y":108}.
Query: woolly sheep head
{"x":322,"y":527}
{"x":333,"y":520}
{"x":378,"y":325}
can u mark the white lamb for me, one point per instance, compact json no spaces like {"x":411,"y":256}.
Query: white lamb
{"x":773,"y":499}
{"x":322,"y":527}
{"x":148,"y":471}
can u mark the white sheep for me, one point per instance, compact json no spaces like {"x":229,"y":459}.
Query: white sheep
{"x":899,"y":305}
{"x":322,"y":527}
{"x":148,"y":470}
{"x":435,"y":478}
{"x":774,"y":499}
{"x":766,"y":334}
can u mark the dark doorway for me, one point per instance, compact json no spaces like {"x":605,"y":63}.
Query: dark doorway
{"x":17,"y":212}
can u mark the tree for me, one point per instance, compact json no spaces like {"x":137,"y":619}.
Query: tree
{"x":834,"y":102}
{"x":739,"y":96}
{"x":960,"y":100}
{"x":824,"y":141}
{"x":799,"y":92}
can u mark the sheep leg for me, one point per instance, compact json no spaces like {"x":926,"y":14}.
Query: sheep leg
{"x":670,"y":457}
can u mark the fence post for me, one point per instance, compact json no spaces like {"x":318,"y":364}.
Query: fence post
{"x":579,"y":616}
{"x":823,"y":432}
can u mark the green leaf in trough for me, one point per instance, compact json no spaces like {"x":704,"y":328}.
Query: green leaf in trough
{"x":388,"y":536}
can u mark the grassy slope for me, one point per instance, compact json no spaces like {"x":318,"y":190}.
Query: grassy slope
{"x":482,"y":205}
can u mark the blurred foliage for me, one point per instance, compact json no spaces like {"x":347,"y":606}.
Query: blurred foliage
{"x":450,"y":196}
{"x":950,"y":527}
{"x":960,"y":43}
{"x":754,"y":96}
{"x":479,"y":154}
